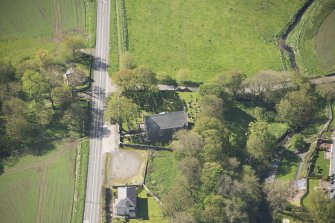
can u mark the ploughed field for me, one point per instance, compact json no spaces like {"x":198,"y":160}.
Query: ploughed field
{"x":208,"y":37}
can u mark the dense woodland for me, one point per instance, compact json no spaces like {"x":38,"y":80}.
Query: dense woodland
{"x":36,"y":104}
{"x":222,"y":167}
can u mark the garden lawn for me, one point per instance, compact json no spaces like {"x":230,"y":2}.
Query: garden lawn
{"x":321,"y":165}
{"x":41,"y":189}
{"x":162,"y":172}
{"x":208,"y":37}
{"x":148,"y":210}
{"x":288,"y":166}
{"x":312,"y":183}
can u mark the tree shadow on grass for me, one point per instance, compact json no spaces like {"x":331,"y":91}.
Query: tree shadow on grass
{"x":142,"y":208}
{"x":237,"y":122}
{"x":289,"y":159}
{"x":42,"y":148}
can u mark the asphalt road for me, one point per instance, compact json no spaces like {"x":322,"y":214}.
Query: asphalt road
{"x":92,"y":212}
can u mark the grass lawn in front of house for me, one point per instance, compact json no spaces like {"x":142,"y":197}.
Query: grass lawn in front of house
{"x":148,"y":210}
{"x":321,"y":167}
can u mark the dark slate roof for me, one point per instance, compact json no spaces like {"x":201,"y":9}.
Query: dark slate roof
{"x":126,"y":197}
{"x":170,"y":120}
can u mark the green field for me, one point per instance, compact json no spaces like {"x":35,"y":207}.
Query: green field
{"x":162,"y":172}
{"x":149,"y":211}
{"x":313,"y":40}
{"x":15,"y":49}
{"x":325,"y":42}
{"x":26,"y":18}
{"x":39,"y":188}
{"x":28,"y":25}
{"x":208,"y":37}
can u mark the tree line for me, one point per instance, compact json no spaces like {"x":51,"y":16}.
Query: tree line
{"x":36,"y":104}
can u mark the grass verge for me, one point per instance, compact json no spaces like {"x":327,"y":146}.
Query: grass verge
{"x":113,"y":42}
{"x":90,"y":21}
{"x":81,"y":167}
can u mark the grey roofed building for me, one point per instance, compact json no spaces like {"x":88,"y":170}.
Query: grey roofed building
{"x":125,"y":204}
{"x":162,"y":126}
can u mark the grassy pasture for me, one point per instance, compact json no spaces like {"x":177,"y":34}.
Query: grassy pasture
{"x":208,"y":37}
{"x":307,"y":40}
{"x":325,"y":42}
{"x":39,"y":188}
{"x":15,"y":49}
